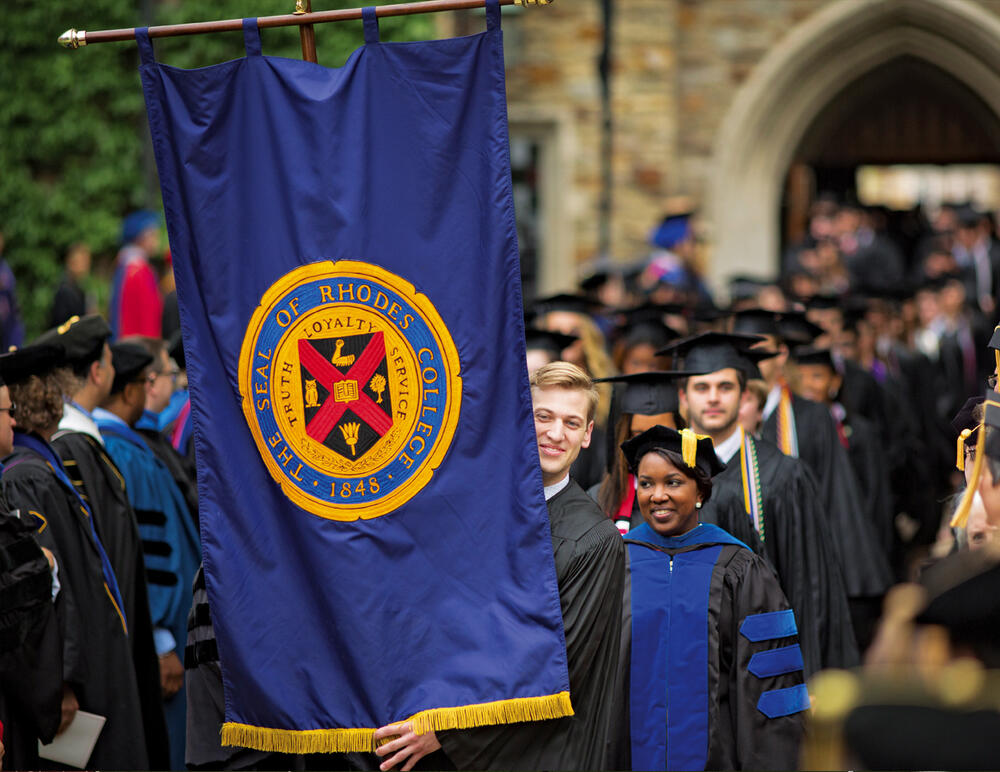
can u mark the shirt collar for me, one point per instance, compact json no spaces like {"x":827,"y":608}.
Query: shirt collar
{"x":552,"y":490}
{"x":77,"y":419}
{"x":726,"y":449}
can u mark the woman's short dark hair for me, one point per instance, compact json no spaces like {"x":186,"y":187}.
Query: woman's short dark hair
{"x":701,"y":479}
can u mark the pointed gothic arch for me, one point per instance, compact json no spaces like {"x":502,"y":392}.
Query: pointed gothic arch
{"x":776,"y":105}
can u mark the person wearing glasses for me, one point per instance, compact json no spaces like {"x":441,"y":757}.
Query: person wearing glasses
{"x":170,"y":541}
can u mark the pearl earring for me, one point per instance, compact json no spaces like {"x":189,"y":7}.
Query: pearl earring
{"x":697,"y":505}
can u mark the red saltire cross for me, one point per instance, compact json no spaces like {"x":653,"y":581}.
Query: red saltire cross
{"x":327,"y":375}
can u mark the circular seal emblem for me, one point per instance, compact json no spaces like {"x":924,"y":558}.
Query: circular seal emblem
{"x":351,"y":387}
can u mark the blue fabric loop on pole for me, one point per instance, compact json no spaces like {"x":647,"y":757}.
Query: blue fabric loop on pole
{"x":251,"y":37}
{"x":371,"y":24}
{"x":492,"y":14}
{"x":775,"y":662}
{"x":773,"y":624}
{"x":783,"y":702}
{"x":146,"y":55}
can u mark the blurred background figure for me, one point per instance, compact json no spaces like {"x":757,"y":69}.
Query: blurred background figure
{"x":11,"y":328}
{"x":72,"y":297}
{"x":136,"y":299}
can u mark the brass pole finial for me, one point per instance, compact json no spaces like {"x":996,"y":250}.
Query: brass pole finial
{"x":300,"y":7}
{"x":73,"y":39}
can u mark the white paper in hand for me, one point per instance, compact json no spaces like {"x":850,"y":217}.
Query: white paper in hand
{"x":74,"y":746}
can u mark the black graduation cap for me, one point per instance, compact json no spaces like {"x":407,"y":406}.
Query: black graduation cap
{"x":577,"y":304}
{"x":968,"y":216}
{"x":968,"y":605}
{"x":649,"y":393}
{"x":34,"y":359}
{"x":696,"y":450}
{"x":709,"y":352}
{"x":547,"y":340}
{"x":995,"y":339}
{"x":756,"y":321}
{"x":129,"y":360}
{"x":991,"y":422}
{"x":810,"y":355}
{"x":82,"y":338}
{"x":965,"y":418}
{"x":648,"y":312}
{"x":672,"y":230}
{"x":795,"y":328}
{"x":825,"y":301}
{"x":746,"y":287}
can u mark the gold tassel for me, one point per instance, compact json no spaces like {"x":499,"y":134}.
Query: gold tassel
{"x":996,"y":355}
{"x":962,"y":513}
{"x":362,"y":740}
{"x":960,"y":458}
{"x":689,"y":446}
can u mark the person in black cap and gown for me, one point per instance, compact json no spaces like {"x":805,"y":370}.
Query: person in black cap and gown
{"x":87,"y":377}
{"x":98,"y":671}
{"x":766,"y":499}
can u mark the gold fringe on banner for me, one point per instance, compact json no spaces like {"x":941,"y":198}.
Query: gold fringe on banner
{"x":362,"y":740}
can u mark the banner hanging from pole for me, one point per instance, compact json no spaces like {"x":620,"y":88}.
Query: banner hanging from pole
{"x":376,"y":542}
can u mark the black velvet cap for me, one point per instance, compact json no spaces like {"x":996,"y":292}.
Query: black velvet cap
{"x":968,"y":606}
{"x":129,"y":360}
{"x":825,"y":300}
{"x":661,"y":437}
{"x":649,"y":393}
{"x":995,"y":339}
{"x":796,"y":329}
{"x":745,"y":287}
{"x":713,"y":351}
{"x":964,"y":419}
{"x":34,"y":359}
{"x":553,"y":342}
{"x":809,"y":355}
{"x":82,"y":338}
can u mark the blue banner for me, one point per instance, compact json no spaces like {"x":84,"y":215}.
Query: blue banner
{"x":375,"y":536}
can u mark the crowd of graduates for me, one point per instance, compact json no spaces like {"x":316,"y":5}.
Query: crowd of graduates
{"x":855,"y":433}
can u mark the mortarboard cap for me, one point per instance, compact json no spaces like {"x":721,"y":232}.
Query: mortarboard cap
{"x":967,"y":603}
{"x":756,"y":321}
{"x":648,"y":312}
{"x":546,"y":340}
{"x":82,"y":338}
{"x":129,"y":360}
{"x":696,"y":450}
{"x":991,"y":425}
{"x":809,"y":355}
{"x":136,"y":223}
{"x":577,"y":304}
{"x":747,"y":287}
{"x":709,"y":352}
{"x":795,"y":328}
{"x":34,"y":359}
{"x":966,"y":425}
{"x":672,"y":230}
{"x":649,"y":393}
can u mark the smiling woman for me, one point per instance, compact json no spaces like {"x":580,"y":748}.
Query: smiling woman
{"x":715,"y":670}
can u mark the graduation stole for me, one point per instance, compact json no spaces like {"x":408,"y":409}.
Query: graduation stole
{"x":625,"y":508}
{"x":750,"y":471}
{"x":788,"y":438}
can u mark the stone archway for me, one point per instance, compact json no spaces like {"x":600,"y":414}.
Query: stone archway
{"x":773,"y":109}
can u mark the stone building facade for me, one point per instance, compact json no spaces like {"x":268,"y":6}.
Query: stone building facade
{"x":710,"y":99}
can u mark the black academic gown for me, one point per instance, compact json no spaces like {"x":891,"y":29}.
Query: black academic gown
{"x":97,"y":652}
{"x":798,"y":545}
{"x":707,"y":685}
{"x":30,"y":644}
{"x":867,"y":457}
{"x":590,"y":571}
{"x":858,"y":549}
{"x":103,"y":488}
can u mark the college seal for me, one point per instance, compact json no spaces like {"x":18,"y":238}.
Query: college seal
{"x":351,"y":387}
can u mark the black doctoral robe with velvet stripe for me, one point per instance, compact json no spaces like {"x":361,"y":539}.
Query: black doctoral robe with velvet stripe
{"x":590,"y":571}
{"x":97,"y":652}
{"x":102,"y":486}
{"x":714,"y":677}
{"x":798,"y":545}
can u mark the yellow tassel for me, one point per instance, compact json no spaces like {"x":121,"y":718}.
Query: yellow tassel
{"x":362,"y":740}
{"x":996,"y":355}
{"x":960,"y":458}
{"x":689,"y":446}
{"x":962,"y":513}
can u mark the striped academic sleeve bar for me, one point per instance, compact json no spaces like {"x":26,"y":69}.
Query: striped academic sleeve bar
{"x":783,"y":702}
{"x":772,"y":624}
{"x":775,"y":662}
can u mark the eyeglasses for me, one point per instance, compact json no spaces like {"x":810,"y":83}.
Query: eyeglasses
{"x":9,"y":410}
{"x":172,"y":374}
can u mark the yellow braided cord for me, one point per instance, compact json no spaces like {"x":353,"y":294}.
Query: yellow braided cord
{"x":363,"y":740}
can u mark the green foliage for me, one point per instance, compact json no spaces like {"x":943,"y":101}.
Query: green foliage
{"x":74,"y":147}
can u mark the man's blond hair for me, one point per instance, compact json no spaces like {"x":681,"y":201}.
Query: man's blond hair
{"x":563,"y":375}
